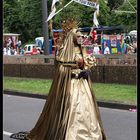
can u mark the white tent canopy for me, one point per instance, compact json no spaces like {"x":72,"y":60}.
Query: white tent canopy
{"x":133,"y":32}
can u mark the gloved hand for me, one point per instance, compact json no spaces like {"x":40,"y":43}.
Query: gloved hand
{"x":83,"y":74}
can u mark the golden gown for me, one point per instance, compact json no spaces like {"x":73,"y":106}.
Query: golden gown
{"x":71,"y":111}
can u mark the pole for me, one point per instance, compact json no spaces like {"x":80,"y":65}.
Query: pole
{"x":45,"y":27}
{"x":131,"y":5}
{"x":118,"y":11}
{"x":64,"y":7}
{"x":51,"y":30}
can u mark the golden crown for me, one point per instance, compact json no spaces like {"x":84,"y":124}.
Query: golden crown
{"x":69,"y":24}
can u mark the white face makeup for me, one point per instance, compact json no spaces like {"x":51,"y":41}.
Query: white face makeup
{"x":79,"y":38}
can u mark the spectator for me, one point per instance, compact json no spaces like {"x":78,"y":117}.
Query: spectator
{"x":130,"y":49}
{"x":135,"y":47}
{"x":8,"y":51}
{"x":12,"y":51}
{"x":124,"y":47}
{"x":9,"y":44}
{"x":35,"y":51}
{"x":96,"y":49}
{"x":39,"y":51}
{"x":15,"y":52}
{"x":4,"y":51}
{"x":18,"y":44}
{"x":100,"y":49}
{"x":106,"y":49}
{"x":22,"y":51}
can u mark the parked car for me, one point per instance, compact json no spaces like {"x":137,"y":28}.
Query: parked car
{"x":31,"y":49}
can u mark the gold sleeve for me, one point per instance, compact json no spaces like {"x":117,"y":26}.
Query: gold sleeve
{"x":58,"y":52}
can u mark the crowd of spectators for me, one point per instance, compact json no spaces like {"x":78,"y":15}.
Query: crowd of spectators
{"x":128,"y":47}
{"x":9,"y":48}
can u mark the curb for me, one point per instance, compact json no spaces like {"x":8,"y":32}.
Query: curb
{"x":112,"y":105}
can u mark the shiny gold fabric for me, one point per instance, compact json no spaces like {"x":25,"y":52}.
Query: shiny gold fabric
{"x":71,"y":112}
{"x":83,"y":124}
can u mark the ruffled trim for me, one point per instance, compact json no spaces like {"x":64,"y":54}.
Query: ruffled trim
{"x":90,"y":61}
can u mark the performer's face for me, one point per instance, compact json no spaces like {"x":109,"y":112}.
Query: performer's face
{"x":79,"y":39}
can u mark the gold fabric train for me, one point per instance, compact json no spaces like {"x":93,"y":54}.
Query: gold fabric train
{"x":71,"y":112}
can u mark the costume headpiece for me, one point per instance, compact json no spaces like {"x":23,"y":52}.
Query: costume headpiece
{"x":69,"y":24}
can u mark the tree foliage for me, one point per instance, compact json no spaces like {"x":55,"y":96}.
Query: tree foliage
{"x":128,"y":20}
{"x":83,"y":14}
{"x":25,"y":16}
{"x":113,"y":4}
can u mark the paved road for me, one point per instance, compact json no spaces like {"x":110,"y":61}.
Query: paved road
{"x":21,"y":113}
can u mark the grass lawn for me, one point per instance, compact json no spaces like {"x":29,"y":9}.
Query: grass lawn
{"x":106,"y":92}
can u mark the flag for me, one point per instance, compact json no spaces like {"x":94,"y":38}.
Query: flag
{"x":86,"y":3}
{"x":53,"y":10}
{"x":95,"y":21}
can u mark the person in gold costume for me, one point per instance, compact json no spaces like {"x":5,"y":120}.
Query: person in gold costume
{"x":71,"y":111}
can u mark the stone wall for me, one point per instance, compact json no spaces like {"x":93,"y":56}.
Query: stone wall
{"x":111,"y":59}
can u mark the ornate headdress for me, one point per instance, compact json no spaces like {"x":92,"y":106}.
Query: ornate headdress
{"x":69,"y":24}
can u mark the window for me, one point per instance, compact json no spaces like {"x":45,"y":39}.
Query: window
{"x":29,"y":48}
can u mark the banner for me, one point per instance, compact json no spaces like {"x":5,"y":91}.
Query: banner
{"x":93,"y":5}
{"x":95,"y":21}
{"x":83,"y":2}
{"x":86,"y":3}
{"x":53,"y":12}
{"x":114,"y":50}
{"x":113,"y":40}
{"x":113,"y":43}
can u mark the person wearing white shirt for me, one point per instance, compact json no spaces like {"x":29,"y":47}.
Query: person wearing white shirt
{"x":106,"y":50}
{"x":15,"y":52}
{"x":19,"y":43}
{"x":9,"y":44}
{"x":9,"y":51}
{"x":96,"y":49}
{"x":4,"y":51}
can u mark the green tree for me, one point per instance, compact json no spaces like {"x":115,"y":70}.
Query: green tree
{"x":113,"y":4}
{"x":104,"y":13}
{"x":23,"y":17}
{"x":83,"y":14}
{"x":126,"y":19}
{"x":31,"y":15}
{"x":12,"y":22}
